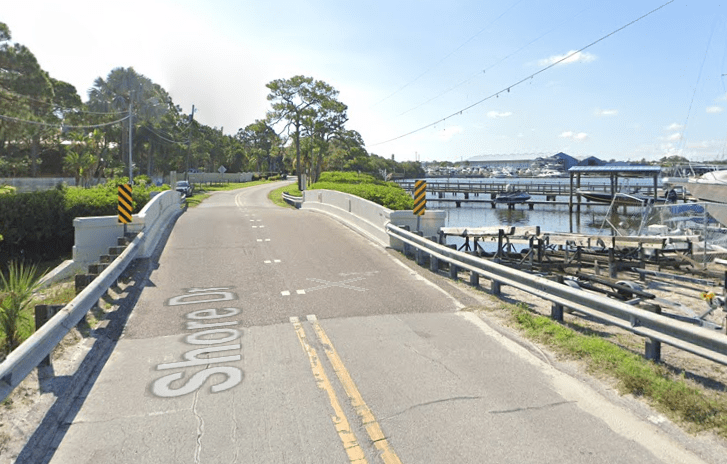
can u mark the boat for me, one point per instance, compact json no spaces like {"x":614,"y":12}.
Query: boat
{"x":626,"y":199}
{"x":550,"y":173}
{"x":710,"y":187}
{"x":510,"y":196}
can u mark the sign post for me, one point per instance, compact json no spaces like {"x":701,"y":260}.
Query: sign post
{"x":125,"y":205}
{"x":420,"y":200}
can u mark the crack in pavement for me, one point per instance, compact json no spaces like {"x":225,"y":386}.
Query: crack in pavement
{"x":432,"y":360}
{"x":531,"y":408}
{"x":200,"y":428}
{"x":429,"y":403}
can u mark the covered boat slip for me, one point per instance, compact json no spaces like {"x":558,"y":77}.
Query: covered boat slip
{"x":613,"y":172}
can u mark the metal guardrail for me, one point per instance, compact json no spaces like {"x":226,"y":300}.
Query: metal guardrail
{"x":21,"y":361}
{"x":292,"y":201}
{"x":702,"y":342}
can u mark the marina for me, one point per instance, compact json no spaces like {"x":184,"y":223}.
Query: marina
{"x":641,"y":251}
{"x":632,"y":185}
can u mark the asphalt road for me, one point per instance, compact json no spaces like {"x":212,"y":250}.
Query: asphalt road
{"x":273,"y":335}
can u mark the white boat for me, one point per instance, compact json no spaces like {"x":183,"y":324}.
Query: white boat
{"x":709,"y":187}
{"x":550,"y":173}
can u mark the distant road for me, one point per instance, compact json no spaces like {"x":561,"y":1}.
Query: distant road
{"x":273,"y":335}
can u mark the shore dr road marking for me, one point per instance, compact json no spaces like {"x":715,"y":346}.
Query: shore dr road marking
{"x":327,"y":284}
{"x":387,"y":454}
{"x":340,"y":422}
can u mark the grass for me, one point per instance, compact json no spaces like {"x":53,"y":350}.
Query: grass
{"x":202,"y":192}
{"x":276,"y":196}
{"x":667,"y":392}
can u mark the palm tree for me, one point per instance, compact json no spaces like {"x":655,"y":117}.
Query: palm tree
{"x":79,"y":164}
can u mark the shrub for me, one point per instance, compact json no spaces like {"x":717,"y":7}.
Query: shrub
{"x":16,"y":295}
{"x":387,"y":194}
{"x":39,"y":225}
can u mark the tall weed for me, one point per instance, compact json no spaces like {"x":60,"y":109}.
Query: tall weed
{"x":16,"y":295}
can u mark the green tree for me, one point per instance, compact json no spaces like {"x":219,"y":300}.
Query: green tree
{"x":296,"y":103}
{"x":126,"y":91}
{"x":26,"y":93}
{"x":258,"y":139}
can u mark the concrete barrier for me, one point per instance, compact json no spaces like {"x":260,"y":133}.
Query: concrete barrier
{"x":94,"y":235}
{"x":369,"y":217}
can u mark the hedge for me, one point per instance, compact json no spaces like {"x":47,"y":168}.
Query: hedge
{"x":39,"y":225}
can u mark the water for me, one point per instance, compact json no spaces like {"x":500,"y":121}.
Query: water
{"x":550,"y":218}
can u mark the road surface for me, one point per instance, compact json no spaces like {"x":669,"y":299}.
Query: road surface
{"x":273,"y":335}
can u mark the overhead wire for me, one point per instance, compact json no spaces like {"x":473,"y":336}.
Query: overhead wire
{"x":691,"y":102}
{"x":480,"y":73}
{"x":507,"y":89}
{"x":448,"y":55}
{"x":59,"y":107}
{"x":61,"y":126}
{"x":164,"y":138}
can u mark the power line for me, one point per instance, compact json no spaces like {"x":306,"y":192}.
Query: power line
{"x":61,"y":126}
{"x":691,"y":102}
{"x":448,"y":55}
{"x":507,"y":89}
{"x":479,"y":73}
{"x":164,"y":138}
{"x":59,"y":107}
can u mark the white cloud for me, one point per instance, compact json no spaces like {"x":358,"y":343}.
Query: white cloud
{"x":714,"y":109}
{"x":568,"y":58}
{"x":600,"y":112}
{"x":673,"y":126}
{"x":574,"y":135}
{"x":498,"y":114}
{"x":675,"y":136}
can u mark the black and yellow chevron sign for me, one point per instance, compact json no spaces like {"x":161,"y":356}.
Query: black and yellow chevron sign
{"x":125,"y":203}
{"x":420,"y":197}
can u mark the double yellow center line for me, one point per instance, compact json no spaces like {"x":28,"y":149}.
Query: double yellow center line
{"x":350,"y":444}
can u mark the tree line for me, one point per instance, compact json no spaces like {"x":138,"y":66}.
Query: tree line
{"x":47,"y":130}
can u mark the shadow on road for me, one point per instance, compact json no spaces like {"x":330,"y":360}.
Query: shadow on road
{"x":72,"y":390}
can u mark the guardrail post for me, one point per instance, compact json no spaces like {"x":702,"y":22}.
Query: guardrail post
{"x":433,"y":261}
{"x":495,"y":286}
{"x":83,"y":281}
{"x":43,"y":313}
{"x":474,"y":279}
{"x":418,"y":252}
{"x":453,"y":268}
{"x":556,"y":309}
{"x":652,"y":348}
{"x":407,"y":247}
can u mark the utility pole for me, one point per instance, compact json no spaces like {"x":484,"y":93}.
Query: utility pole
{"x":131,"y":127}
{"x":189,"y":144}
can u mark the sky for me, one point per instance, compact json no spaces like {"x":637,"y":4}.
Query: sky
{"x":423,"y":80}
